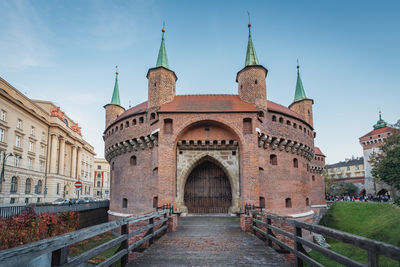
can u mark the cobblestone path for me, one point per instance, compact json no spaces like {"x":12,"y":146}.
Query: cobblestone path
{"x":209,"y":241}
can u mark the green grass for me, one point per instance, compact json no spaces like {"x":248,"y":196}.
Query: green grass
{"x":93,"y":242}
{"x":379,"y":221}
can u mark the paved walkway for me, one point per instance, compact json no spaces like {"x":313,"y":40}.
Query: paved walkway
{"x":209,"y":241}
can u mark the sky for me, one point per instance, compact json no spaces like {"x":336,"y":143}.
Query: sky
{"x":66,"y":52}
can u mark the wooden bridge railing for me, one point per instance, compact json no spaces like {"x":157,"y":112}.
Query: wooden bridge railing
{"x":58,"y":245}
{"x":374,"y":248}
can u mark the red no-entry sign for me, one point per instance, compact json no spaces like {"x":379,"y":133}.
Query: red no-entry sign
{"x":78,"y":185}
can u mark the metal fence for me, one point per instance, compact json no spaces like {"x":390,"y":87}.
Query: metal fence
{"x":15,"y":209}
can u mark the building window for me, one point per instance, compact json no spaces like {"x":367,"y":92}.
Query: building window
{"x":14,"y":185}
{"x":134,"y":122}
{"x":126,"y":124}
{"x":112,"y":166}
{"x":281,"y":120}
{"x":295,"y":125}
{"x":19,"y":124}
{"x":89,"y":190}
{"x":313,"y":178}
{"x":247,"y":127}
{"x":273,"y":118}
{"x":12,"y":200}
{"x":288,"y":203}
{"x":295,"y":163}
{"x":99,"y":167}
{"x":168,"y":126}
{"x":98,"y":184}
{"x":262,"y":202}
{"x":39,"y":187}
{"x":300,"y":127}
{"x":30,"y":146}
{"x":26,"y":200}
{"x":98,"y":175}
{"x":260,"y":114}
{"x":133,"y":160}
{"x":32,"y":131}
{"x":288,"y":123}
{"x":3,"y":115}
{"x":1,"y":135}
{"x":18,"y":141}
{"x":124,"y":202}
{"x":41,"y":166}
{"x":30,"y":163}
{"x":152,"y":116}
{"x":273,"y":159}
{"x":307,"y":202}
{"x":16,"y":160}
{"x":141,"y":120}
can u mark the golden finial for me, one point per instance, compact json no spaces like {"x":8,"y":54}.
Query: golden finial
{"x":163,"y":27}
{"x":116,"y":69}
{"x":248,"y":14}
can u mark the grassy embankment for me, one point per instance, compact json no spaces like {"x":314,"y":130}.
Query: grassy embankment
{"x":379,"y":221}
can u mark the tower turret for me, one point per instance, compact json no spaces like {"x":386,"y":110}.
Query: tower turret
{"x":114,"y":109}
{"x":301,"y":104}
{"x":162,"y":80}
{"x":252,"y":78}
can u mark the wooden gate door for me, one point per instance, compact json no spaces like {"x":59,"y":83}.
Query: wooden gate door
{"x":208,"y":190}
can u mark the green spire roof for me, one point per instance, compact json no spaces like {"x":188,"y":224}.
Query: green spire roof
{"x":162,"y":60}
{"x":251,"y":57}
{"x":300,"y":94}
{"x":380,"y":123}
{"x":115,"y":97}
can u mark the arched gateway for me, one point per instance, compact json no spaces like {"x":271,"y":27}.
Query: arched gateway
{"x":208,"y":190}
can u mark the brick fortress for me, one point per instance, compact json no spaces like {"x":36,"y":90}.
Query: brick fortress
{"x":213,"y":153}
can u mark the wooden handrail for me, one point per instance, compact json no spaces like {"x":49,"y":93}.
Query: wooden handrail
{"x":58,"y":245}
{"x":374,"y":248}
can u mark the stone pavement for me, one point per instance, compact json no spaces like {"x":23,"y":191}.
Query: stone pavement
{"x":209,"y":241}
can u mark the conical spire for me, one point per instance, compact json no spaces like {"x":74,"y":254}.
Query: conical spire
{"x":162,"y":60}
{"x":251,"y":57}
{"x":300,"y":94}
{"x":115,"y":97}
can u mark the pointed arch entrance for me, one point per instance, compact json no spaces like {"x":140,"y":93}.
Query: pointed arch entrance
{"x":208,"y":189}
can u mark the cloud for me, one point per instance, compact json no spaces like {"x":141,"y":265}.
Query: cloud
{"x":24,"y":41}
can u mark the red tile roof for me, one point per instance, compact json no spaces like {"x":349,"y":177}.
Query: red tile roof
{"x":318,"y":151}
{"x":210,"y":103}
{"x":207,"y":103}
{"x":378,"y":131}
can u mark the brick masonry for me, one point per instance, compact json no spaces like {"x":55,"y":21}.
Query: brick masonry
{"x":160,"y":170}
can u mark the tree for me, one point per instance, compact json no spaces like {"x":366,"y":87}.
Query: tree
{"x":386,"y":163}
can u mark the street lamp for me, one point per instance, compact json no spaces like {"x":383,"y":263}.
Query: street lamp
{"x":5,"y":156}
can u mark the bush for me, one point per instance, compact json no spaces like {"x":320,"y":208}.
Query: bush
{"x":29,"y":227}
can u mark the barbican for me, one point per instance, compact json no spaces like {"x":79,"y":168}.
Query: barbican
{"x":213,"y":153}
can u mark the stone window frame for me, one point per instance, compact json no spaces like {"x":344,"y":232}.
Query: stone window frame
{"x":14,"y":185}
{"x":19,"y":124}
{"x":28,"y":185}
{"x":3,"y":115}
{"x":2,"y":134}
{"x":40,"y":185}
{"x":18,"y":140}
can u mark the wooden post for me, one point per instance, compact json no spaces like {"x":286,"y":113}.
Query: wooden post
{"x":124,"y":244}
{"x":151,"y":231}
{"x":254,"y":223}
{"x":269,"y":231}
{"x":59,"y":257}
{"x":297,"y":246}
{"x":373,"y":259}
{"x":165,"y":223}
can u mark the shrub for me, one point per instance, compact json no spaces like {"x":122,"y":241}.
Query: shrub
{"x":29,"y":227}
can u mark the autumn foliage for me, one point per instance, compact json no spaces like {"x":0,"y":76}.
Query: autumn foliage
{"x":29,"y":226}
